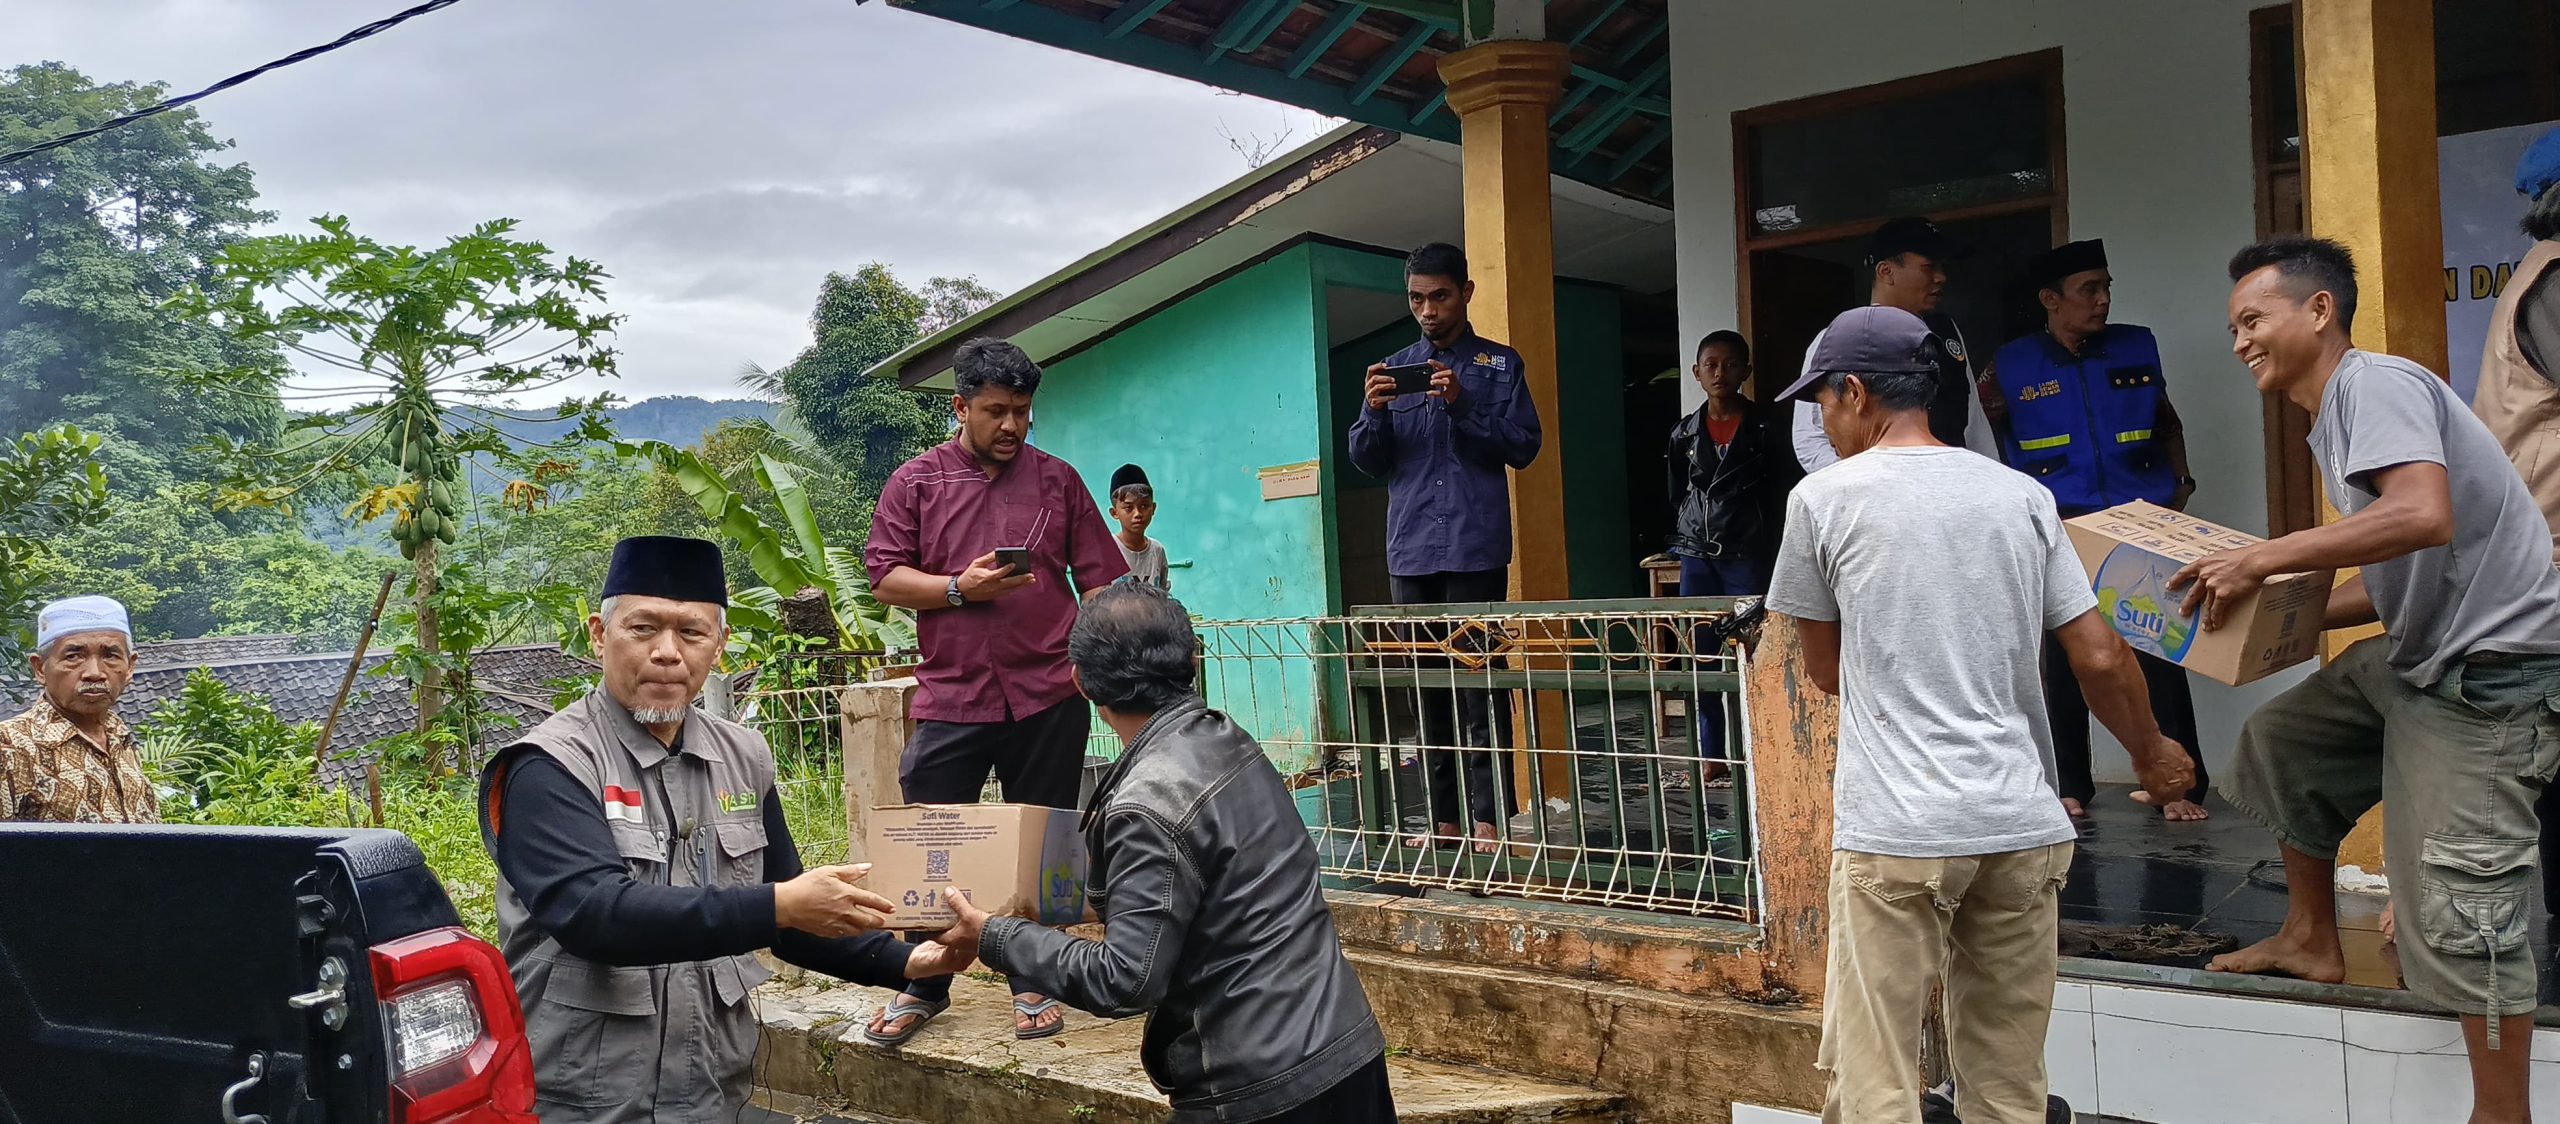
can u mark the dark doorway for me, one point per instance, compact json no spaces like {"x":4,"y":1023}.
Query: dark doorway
{"x":1797,"y":290}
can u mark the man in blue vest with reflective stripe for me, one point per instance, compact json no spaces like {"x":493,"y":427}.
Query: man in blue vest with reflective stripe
{"x":2080,"y":407}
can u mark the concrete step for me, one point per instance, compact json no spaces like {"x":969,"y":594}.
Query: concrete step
{"x":967,"y":1067}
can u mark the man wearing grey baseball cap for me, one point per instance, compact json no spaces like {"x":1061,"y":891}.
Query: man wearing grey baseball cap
{"x":1946,"y":836}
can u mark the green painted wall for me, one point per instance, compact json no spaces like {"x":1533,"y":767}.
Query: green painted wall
{"x":1598,"y":558}
{"x":1203,"y":395}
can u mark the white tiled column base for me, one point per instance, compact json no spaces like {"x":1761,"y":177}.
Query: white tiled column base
{"x":2187,"y":1057}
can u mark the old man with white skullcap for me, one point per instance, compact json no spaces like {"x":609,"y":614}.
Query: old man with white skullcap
{"x":68,"y":758}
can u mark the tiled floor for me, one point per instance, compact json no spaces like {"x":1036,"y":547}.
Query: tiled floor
{"x":2218,"y":876}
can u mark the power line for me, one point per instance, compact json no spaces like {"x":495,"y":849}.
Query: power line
{"x":377,"y":27}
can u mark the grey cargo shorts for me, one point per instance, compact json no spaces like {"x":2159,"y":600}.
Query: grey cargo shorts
{"x":2459,"y":765}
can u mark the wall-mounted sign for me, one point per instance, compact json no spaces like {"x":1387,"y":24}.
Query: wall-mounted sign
{"x":1289,"y":481}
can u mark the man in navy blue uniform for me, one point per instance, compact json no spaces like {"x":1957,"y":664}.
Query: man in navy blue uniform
{"x":2080,"y":406}
{"x":1444,"y":452}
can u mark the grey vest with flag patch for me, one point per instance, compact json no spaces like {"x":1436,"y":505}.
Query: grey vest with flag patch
{"x":620,"y":1044}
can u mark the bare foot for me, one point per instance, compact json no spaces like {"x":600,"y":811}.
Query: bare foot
{"x":2072,"y":808}
{"x":1042,"y":1021}
{"x":2390,"y":925}
{"x":2287,"y":954}
{"x":2177,"y":811}
{"x":1486,"y":841}
{"x":1439,"y":833}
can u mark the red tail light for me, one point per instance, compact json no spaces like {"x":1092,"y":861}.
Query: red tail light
{"x":455,"y":1032}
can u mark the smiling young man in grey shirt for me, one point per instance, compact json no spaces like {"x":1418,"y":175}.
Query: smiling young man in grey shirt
{"x":2447,"y":717}
{"x":1948,"y":847}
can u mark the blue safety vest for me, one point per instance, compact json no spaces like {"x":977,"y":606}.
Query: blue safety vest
{"x":2086,"y":425}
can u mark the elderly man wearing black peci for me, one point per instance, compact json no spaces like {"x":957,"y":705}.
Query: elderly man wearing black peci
{"x":1217,"y":929}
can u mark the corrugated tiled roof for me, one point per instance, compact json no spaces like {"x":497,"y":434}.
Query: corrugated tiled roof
{"x":300,"y":687}
{"x":219,"y":649}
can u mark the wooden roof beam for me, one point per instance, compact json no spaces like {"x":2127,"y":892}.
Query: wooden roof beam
{"x":1643,"y":147}
{"x":1131,"y":14}
{"x":1392,"y":61}
{"x":1242,"y":23}
{"x":1605,"y":119}
{"x":1323,"y":38}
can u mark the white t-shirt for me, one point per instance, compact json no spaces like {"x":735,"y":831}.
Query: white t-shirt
{"x":1945,"y":570}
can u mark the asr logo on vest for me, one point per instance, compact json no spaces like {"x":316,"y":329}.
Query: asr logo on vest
{"x":2045,"y":389}
{"x":737,"y":801}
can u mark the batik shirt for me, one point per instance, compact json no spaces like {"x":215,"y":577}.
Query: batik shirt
{"x":50,"y":771}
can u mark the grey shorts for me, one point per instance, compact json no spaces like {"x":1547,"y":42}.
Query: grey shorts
{"x":2459,"y":765}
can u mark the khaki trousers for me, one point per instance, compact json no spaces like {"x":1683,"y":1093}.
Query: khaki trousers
{"x":1985,"y":921}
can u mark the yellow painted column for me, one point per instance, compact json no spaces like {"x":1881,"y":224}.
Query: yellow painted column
{"x":1502,"y":92}
{"x":2369,"y":150}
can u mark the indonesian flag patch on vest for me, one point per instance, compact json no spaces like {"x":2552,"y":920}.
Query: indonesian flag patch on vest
{"x":622,"y":804}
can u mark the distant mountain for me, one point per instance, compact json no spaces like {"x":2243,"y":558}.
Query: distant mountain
{"x":679,"y":419}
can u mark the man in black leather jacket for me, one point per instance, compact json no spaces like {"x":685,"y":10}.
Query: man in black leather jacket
{"x":1730,"y":467}
{"x":1217,"y":929}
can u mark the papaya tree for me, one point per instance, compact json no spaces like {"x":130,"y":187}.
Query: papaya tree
{"x":407,"y":360}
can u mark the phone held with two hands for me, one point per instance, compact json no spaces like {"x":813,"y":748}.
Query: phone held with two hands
{"x":1411,"y":378}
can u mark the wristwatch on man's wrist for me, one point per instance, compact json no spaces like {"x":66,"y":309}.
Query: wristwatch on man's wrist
{"x":951,"y":593}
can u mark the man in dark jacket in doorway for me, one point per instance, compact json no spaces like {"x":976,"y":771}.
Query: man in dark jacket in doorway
{"x":1731,"y":466}
{"x":1444,"y":452}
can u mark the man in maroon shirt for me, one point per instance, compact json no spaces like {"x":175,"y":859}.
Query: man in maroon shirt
{"x":994,"y":692}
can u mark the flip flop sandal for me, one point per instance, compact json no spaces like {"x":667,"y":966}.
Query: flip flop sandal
{"x":1022,"y":1010}
{"x":900,"y":1007}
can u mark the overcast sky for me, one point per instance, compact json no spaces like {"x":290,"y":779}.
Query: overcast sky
{"x":717,"y":156}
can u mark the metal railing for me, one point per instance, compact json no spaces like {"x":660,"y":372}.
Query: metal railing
{"x":1569,"y":731}
{"x":794,"y":702}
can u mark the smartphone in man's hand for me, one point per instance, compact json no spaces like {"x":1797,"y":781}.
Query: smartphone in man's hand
{"x":1018,"y":557}
{"x":1411,"y":378}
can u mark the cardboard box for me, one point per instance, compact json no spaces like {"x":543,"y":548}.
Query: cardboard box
{"x":2131,"y":551}
{"x":1013,"y":860}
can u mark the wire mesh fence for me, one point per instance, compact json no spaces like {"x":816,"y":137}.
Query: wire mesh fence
{"x":794,"y":701}
{"x":1583,"y":752}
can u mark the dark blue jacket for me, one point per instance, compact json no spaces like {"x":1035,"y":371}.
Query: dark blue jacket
{"x":1448,"y":499}
{"x":2087,"y":426}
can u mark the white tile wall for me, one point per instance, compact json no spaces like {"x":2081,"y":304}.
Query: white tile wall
{"x":2160,"y":1054}
{"x":2071,"y":1047}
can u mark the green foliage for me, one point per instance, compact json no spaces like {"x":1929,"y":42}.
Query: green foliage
{"x":471,"y":614}
{"x":50,"y":483}
{"x":435,"y":340}
{"x":185,"y":571}
{"x":221,"y":757}
{"x":786,"y":562}
{"x":92,"y":237}
{"x":443,"y":818}
{"x":869,"y":426}
{"x":224,"y":757}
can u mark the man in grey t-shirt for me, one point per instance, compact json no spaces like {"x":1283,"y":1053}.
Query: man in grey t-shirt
{"x":1940,"y":793}
{"x":2448,"y":717}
